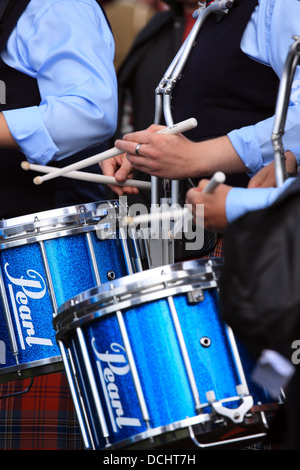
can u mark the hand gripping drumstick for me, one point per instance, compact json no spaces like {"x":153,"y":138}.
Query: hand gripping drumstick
{"x":218,"y":178}
{"x":113,"y":152}
{"x":84,"y":176}
{"x":180,"y":214}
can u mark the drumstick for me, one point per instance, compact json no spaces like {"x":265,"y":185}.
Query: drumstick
{"x":218,"y":178}
{"x":84,"y":176}
{"x":144,"y":218}
{"x":113,"y":152}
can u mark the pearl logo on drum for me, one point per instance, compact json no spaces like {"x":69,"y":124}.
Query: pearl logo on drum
{"x":35,"y":289}
{"x":110,"y":365}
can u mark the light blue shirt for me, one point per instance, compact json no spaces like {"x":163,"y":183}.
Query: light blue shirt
{"x":67,"y":46}
{"x":242,"y":200}
{"x":267,"y":38}
{"x":239,"y":201}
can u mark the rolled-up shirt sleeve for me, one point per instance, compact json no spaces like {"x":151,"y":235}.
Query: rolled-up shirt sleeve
{"x":68,"y":47}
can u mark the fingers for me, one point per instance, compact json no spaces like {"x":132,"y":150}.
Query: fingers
{"x":130,"y":141}
{"x":142,"y":136}
{"x":201,"y":185}
{"x":121,"y":169}
{"x":194,"y":196}
{"x":158,"y":154}
{"x":291,"y":164}
{"x":214,"y":204}
{"x":142,"y":163}
{"x":124,"y":171}
{"x":122,"y":174}
{"x":126,"y":146}
{"x":265,"y":178}
{"x":255,"y":183}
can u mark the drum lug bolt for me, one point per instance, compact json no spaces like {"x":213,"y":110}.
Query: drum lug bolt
{"x":111,"y":275}
{"x":195,"y":296}
{"x":205,"y":342}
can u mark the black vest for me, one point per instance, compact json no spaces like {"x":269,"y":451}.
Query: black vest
{"x":221,"y":86}
{"x":18,"y":194}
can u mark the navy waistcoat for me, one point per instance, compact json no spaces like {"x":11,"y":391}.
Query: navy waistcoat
{"x":220,"y":86}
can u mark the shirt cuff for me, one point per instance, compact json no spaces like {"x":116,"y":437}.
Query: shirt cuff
{"x":247,"y":147}
{"x":239,"y":201}
{"x":31,"y":135}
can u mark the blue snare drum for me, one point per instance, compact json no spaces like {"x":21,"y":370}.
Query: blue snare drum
{"x":46,"y":259}
{"x":149,"y":361}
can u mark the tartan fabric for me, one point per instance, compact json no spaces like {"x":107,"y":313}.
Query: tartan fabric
{"x":41,"y":419}
{"x":217,"y":252}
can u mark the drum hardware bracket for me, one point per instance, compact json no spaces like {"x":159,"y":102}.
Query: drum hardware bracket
{"x":195,"y":296}
{"x":105,"y":233}
{"x":223,"y":442}
{"x":37,"y":229}
{"x":236,"y":415}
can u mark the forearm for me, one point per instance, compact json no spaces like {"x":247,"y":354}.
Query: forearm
{"x":216,"y":155}
{"x":6,"y":139}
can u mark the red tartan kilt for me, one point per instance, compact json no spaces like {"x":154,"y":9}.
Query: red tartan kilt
{"x":41,"y":419}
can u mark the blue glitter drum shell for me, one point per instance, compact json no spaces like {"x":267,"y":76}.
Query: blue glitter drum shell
{"x":148,"y":350}
{"x":43,"y":267}
{"x":29,"y":304}
{"x":159,"y":362}
{"x":71,"y":267}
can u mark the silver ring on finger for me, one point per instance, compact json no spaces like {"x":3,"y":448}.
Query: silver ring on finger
{"x":137,"y":148}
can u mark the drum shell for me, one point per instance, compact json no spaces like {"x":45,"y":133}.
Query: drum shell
{"x":157,"y":357}
{"x":40,"y":270}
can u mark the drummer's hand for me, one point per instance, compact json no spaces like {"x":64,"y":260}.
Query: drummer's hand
{"x":266,"y":177}
{"x":215,"y":218}
{"x":121,"y":169}
{"x":176,"y":157}
{"x":160,"y":154}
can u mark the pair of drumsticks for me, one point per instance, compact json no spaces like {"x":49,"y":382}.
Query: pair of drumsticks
{"x":71,"y":171}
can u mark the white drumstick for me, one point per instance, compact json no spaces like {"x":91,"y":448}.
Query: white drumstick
{"x":91,"y":177}
{"x":113,"y":152}
{"x":157,"y":216}
{"x":218,"y":178}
